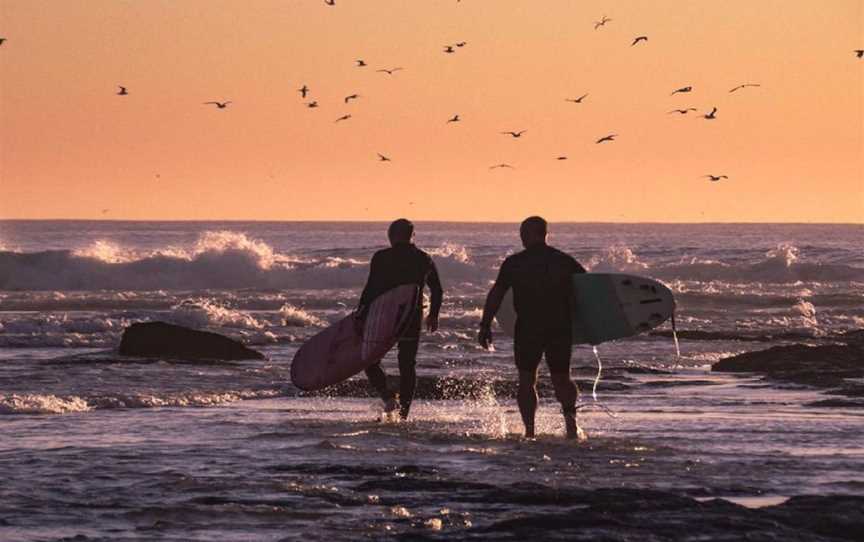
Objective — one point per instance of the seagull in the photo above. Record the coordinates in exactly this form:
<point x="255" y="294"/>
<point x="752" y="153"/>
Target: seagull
<point x="610" y="137"/>
<point x="577" y="100"/>
<point x="461" y="43"/>
<point x="304" y="90"/>
<point x="220" y="105"/>
<point x="312" y="104"/>
<point x="390" y="71"/>
<point x="561" y="158"/>
<point x="454" y="119"/>
<point x="638" y="39"/>
<point x="449" y="49"/>
<point x="2" y="40"/>
<point x="712" y="115"/>
<point x="360" y="62"/>
<point x="496" y="166"/>
<point x="343" y="117"/>
<point x="330" y="2"/>
<point x="601" y="22"/>
<point x="715" y="178"/>
<point x="105" y="211"/>
<point x="383" y="158"/>
<point x="122" y="91"/>
<point x="515" y="134"/>
<point x="858" y="52"/>
<point x="682" y="89"/>
<point x="351" y="97"/>
<point x="744" y="86"/>
<point x="682" y="111"/>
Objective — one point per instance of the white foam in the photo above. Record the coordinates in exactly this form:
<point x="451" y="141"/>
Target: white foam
<point x="41" y="404"/>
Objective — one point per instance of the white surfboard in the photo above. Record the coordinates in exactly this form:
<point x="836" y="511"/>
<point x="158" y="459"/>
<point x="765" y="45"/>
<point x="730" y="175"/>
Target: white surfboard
<point x="607" y="306"/>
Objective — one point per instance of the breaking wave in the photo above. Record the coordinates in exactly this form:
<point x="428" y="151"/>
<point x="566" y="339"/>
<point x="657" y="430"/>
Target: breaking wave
<point x="231" y="260"/>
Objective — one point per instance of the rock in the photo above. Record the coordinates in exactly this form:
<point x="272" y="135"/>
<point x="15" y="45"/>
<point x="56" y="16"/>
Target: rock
<point x="160" y="339"/>
<point x="824" y="366"/>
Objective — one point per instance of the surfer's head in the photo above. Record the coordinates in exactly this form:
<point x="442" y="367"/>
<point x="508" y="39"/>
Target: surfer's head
<point x="533" y="231"/>
<point x="400" y="232"/>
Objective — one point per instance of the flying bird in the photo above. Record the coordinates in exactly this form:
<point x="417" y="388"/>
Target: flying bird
<point x="449" y="49"/>
<point x="351" y="97"/>
<point x="496" y="166"/>
<point x="454" y="119"/>
<point x="682" y="111"/>
<point x="220" y="105"/>
<point x="561" y="158"/>
<point x="343" y="117"/>
<point x="3" y="40"/>
<point x="312" y="104"/>
<point x="461" y="43"/>
<point x="390" y="71"/>
<point x="858" y="52"/>
<point x="105" y="211"/>
<point x="601" y="22"/>
<point x="304" y="90"/>
<point x="715" y="178"/>
<point x="576" y="100"/>
<point x="360" y="62"/>
<point x="382" y="158"/>
<point x="515" y="134"/>
<point x="330" y="2"/>
<point x="610" y="137"/>
<point x="638" y="39"/>
<point x="745" y="85"/>
<point x="712" y="115"/>
<point x="682" y="89"/>
<point x="122" y="91"/>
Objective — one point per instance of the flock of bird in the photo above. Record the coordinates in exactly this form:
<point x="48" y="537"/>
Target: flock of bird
<point x="452" y="48"/>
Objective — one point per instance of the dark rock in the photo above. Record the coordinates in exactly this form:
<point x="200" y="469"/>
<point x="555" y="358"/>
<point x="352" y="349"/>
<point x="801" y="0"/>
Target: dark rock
<point x="825" y="366"/>
<point x="160" y="339"/>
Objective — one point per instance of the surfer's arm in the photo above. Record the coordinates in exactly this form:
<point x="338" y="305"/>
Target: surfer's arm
<point x="435" y="290"/>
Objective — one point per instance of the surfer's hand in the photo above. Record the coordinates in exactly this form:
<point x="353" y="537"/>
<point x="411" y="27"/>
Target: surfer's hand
<point x="485" y="336"/>
<point x="432" y="323"/>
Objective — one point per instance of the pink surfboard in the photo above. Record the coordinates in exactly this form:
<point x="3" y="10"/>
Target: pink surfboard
<point x="339" y="352"/>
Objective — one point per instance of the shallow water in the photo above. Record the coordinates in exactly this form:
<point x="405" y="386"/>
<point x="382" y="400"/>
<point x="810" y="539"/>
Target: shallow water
<point x="113" y="448"/>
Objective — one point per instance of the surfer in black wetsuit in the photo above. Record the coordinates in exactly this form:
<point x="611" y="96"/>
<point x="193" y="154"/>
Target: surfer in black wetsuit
<point x="542" y="291"/>
<point x="402" y="263"/>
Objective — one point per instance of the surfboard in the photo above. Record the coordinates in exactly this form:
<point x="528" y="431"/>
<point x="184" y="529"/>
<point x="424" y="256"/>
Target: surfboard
<point x="607" y="306"/>
<point x="339" y="352"/>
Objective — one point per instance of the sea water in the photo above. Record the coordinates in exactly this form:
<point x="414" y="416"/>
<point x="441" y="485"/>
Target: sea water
<point x="106" y="448"/>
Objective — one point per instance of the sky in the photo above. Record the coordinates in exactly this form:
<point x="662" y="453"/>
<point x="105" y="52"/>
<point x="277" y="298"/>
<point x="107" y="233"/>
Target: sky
<point x="792" y="148"/>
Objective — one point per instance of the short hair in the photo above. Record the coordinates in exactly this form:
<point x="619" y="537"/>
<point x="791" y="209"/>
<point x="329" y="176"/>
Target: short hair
<point x="533" y="226"/>
<point x="400" y="230"/>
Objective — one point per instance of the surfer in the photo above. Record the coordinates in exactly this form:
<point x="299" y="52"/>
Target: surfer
<point x="540" y="277"/>
<point x="402" y="263"/>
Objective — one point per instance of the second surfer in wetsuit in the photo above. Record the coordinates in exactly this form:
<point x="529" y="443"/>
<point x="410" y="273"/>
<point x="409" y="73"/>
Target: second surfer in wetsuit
<point x="542" y="292"/>
<point x="402" y="263"/>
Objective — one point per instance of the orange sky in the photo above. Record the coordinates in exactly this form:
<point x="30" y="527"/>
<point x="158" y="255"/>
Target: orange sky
<point x="793" y="148"/>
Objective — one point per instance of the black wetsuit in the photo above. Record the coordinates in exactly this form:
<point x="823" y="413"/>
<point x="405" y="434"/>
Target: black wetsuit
<point x="542" y="293"/>
<point x="392" y="267"/>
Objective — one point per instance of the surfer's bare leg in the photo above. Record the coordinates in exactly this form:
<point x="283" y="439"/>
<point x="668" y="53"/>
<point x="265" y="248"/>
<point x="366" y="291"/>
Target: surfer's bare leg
<point x="567" y="394"/>
<point x="527" y="399"/>
<point x="407" y="374"/>
<point x="558" y="354"/>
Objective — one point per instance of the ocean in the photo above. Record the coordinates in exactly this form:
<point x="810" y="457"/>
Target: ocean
<point x="100" y="447"/>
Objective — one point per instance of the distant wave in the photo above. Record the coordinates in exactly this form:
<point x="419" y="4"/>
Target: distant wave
<point x="230" y="260"/>
<point x="27" y="403"/>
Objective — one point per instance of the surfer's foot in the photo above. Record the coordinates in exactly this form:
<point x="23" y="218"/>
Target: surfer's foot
<point x="391" y="405"/>
<point x="573" y="431"/>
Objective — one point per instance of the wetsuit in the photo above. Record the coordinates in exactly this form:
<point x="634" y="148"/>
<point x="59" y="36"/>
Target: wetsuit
<point x="542" y="294"/>
<point x="402" y="264"/>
